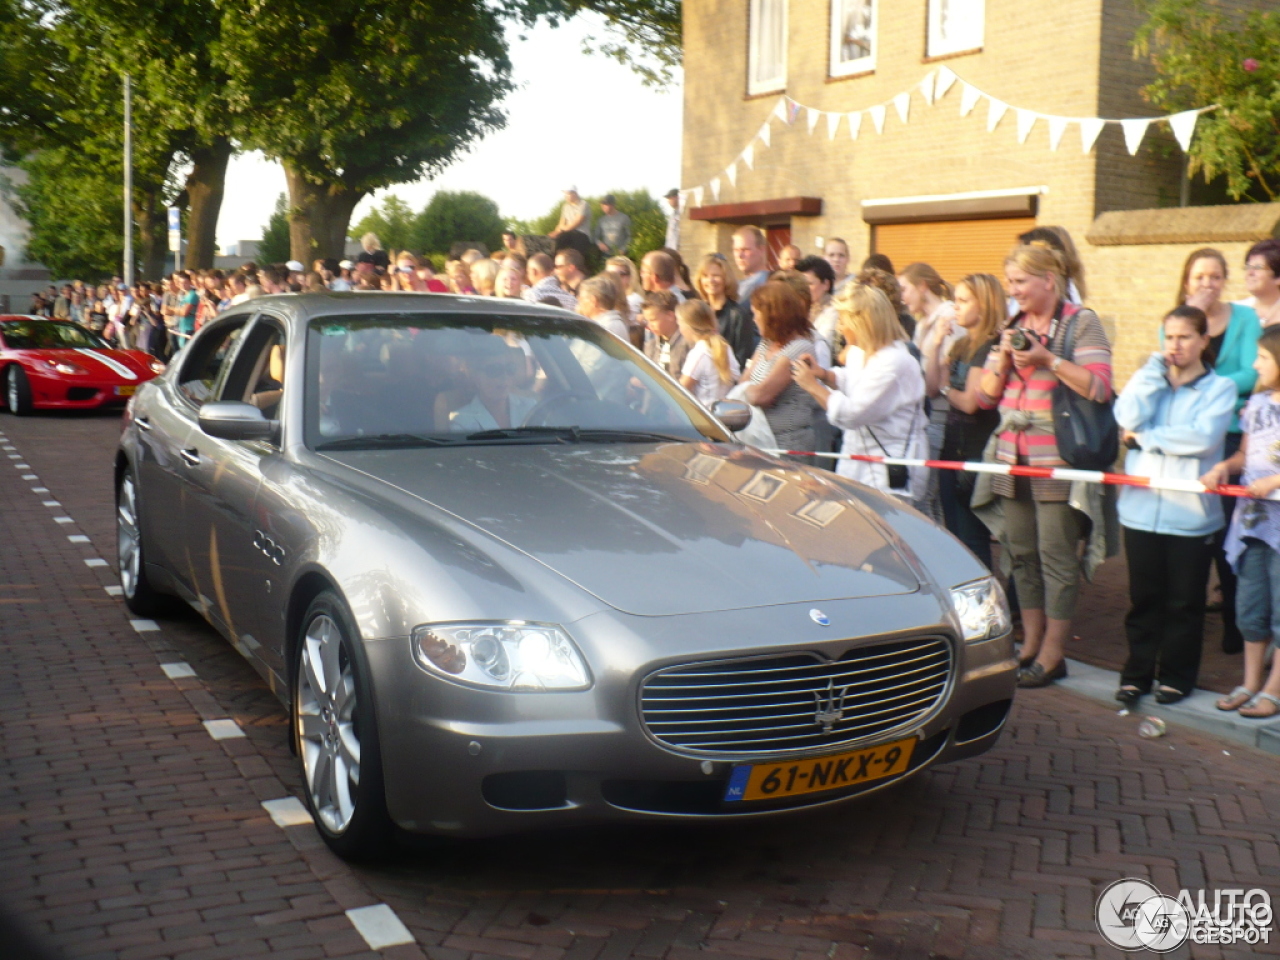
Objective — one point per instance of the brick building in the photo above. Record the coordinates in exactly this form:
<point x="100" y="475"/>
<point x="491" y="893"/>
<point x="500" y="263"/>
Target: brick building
<point x="940" y="187"/>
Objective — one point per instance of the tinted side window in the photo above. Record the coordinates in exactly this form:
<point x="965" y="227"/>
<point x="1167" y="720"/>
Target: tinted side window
<point x="205" y="363"/>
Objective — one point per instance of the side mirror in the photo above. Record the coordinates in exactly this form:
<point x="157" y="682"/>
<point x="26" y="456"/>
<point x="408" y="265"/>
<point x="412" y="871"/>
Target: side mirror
<point x="734" y="414"/>
<point x="234" y="420"/>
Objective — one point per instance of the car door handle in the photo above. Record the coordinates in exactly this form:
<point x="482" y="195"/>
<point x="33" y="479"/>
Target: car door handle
<point x="144" y="423"/>
<point x="191" y="455"/>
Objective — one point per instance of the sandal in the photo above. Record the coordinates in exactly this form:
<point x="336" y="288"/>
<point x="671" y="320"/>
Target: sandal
<point x="1236" y="699"/>
<point x="1255" y="707"/>
<point x="1129" y="694"/>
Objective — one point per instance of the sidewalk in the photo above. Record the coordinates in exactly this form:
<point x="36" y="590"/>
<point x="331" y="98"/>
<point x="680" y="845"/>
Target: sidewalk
<point x="1097" y="652"/>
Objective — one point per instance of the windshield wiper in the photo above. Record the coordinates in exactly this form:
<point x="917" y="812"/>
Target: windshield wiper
<point x="385" y="441"/>
<point x="611" y="435"/>
<point x="523" y="435"/>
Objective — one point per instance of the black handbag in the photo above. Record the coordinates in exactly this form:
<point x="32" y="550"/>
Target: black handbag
<point x="1087" y="434"/>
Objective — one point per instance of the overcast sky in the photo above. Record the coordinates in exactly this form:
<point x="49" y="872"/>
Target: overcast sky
<point x="577" y="119"/>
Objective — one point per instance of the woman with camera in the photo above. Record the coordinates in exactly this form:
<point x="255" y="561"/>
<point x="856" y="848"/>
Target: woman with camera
<point x="1042" y="530"/>
<point x="877" y="397"/>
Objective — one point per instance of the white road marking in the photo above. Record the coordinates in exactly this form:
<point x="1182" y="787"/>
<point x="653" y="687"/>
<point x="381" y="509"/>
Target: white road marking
<point x="50" y="503"/>
<point x="78" y="538"/>
<point x="114" y="590"/>
<point x="94" y="562"/>
<point x="39" y="489"/>
<point x="223" y="729"/>
<point x="15" y="456"/>
<point x="144" y="626"/>
<point x="176" y="671"/>
<point x="379" y="926"/>
<point x="63" y="520"/>
<point x="22" y="466"/>
<point x="29" y="476"/>
<point x="288" y="812"/>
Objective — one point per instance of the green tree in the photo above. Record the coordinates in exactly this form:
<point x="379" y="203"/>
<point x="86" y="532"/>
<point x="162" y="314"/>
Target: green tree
<point x="393" y="222"/>
<point x="274" y="247"/>
<point x="1207" y="55"/>
<point x="453" y="216"/>
<point x="75" y="221"/>
<point x="642" y="34"/>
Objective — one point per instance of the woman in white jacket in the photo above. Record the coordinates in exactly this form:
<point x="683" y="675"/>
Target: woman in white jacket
<point x="877" y="397"/>
<point x="1174" y="413"/>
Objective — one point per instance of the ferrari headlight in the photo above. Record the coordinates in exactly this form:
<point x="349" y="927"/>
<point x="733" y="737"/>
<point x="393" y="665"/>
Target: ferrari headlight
<point x="157" y="366"/>
<point x="508" y="655"/>
<point x="981" y="609"/>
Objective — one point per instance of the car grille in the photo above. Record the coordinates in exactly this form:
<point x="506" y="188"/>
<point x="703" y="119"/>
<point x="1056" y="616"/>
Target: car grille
<point x="795" y="702"/>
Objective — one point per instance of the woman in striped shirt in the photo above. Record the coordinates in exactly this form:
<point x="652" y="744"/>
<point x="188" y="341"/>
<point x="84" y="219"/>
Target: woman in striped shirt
<point x="1043" y="530"/>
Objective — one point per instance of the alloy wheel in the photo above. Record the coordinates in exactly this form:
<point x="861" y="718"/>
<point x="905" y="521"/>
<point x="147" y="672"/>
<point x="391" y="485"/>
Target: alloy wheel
<point x="128" y="540"/>
<point x="11" y="384"/>
<point x="327" y="731"/>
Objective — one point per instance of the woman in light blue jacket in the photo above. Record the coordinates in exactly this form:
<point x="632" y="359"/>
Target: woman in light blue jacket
<point x="1174" y="414"/>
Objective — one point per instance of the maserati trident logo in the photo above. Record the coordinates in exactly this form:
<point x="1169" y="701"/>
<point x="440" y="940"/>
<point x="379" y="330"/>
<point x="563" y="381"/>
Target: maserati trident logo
<point x="820" y="618"/>
<point x="829" y="706"/>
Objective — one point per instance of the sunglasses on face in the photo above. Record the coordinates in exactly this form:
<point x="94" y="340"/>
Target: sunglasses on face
<point x="498" y="370"/>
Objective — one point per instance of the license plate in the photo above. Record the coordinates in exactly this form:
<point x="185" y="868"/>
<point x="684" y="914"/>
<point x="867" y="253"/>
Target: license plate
<point x="126" y="391"/>
<point x="794" y="778"/>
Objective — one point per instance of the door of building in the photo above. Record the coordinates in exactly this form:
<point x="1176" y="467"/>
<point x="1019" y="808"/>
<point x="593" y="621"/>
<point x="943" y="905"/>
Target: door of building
<point x="777" y="237"/>
<point x="952" y="247"/>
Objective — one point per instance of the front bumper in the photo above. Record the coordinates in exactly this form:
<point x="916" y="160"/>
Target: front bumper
<point x="80" y="393"/>
<point x="470" y="762"/>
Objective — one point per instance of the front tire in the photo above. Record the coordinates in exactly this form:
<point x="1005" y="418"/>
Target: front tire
<point x="17" y="391"/>
<point x="139" y="596"/>
<point x="335" y="734"/>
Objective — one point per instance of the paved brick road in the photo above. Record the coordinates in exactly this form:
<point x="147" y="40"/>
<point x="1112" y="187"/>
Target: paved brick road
<point x="126" y="831"/>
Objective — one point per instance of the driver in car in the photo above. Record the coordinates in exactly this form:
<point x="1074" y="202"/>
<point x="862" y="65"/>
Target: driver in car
<point x="494" y="369"/>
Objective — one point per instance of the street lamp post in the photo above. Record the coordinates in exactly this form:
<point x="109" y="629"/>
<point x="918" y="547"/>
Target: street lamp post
<point x="127" y="273"/>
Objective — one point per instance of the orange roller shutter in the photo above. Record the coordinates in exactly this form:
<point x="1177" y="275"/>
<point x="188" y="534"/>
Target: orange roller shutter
<point x="952" y="247"/>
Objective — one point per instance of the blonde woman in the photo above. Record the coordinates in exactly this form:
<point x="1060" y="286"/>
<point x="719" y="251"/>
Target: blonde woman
<point x="484" y="277"/>
<point x="710" y="369"/>
<point x="981" y="314"/>
<point x="628" y="277"/>
<point x="715" y="283"/>
<point x="877" y="397"/>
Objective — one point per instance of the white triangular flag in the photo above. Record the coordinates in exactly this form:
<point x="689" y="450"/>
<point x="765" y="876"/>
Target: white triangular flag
<point x="731" y="172"/>
<point x="833" y="124"/>
<point x="1057" y="127"/>
<point x="697" y="196"/>
<point x="969" y="97"/>
<point x="946" y="77"/>
<point x="766" y="133"/>
<point x="1183" y="126"/>
<point x="780" y="109"/>
<point x="877" y="117"/>
<point x="1134" y="131"/>
<point x="715" y="188"/>
<point x="1090" y="127"/>
<point x="903" y="102"/>
<point x="1026" y="120"/>
<point x="926" y="87"/>
<point x="995" y="110"/>
<point x="855" y="124"/>
<point x="749" y="156"/>
<point x="813" y="119"/>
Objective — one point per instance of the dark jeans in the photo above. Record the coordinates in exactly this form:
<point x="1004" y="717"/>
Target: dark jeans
<point x="1165" y="623"/>
<point x="1232" y="640"/>
<point x="959" y="516"/>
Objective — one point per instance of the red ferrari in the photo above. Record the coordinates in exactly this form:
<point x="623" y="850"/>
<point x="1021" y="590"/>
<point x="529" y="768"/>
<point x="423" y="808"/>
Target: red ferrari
<point x="55" y="365"/>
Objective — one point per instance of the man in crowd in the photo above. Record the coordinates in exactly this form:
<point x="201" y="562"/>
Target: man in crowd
<point x="658" y="272"/>
<point x="185" y="315"/>
<point x="612" y="232"/>
<point x="273" y="279"/>
<point x="598" y="301"/>
<point x="62" y="303"/>
<point x="574" y="228"/>
<point x="666" y="347"/>
<point x="789" y="256"/>
<point x="752" y="257"/>
<point x="673" y="220"/>
<point x="544" y="287"/>
<point x="570" y="270"/>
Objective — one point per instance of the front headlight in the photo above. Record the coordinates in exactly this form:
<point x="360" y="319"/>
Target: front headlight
<point x="508" y="655"/>
<point x="157" y="367"/>
<point x="981" y="609"/>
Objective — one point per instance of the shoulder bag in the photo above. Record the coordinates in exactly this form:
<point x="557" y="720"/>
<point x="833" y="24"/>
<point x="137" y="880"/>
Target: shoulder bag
<point x="1086" y="431"/>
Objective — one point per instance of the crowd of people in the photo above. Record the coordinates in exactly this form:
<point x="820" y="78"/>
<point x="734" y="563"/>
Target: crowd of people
<point x="903" y="364"/>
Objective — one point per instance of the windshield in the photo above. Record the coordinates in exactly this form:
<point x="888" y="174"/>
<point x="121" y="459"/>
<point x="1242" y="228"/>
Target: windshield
<point x="377" y="381"/>
<point x="48" y="335"/>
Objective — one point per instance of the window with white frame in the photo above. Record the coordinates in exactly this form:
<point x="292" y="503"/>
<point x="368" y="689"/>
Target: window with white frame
<point x="767" y="54"/>
<point x="853" y="37"/>
<point x="954" y="26"/>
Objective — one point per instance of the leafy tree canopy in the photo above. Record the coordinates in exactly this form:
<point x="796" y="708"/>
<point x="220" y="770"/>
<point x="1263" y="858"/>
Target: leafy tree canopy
<point x="274" y="247"/>
<point x="75" y="219"/>
<point x="393" y="222"/>
<point x="452" y="216"/>
<point x="1206" y="55"/>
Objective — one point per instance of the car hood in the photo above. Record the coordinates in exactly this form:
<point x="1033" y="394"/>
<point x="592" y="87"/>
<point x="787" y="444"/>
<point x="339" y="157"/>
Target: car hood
<point x="661" y="529"/>
<point x="123" y="365"/>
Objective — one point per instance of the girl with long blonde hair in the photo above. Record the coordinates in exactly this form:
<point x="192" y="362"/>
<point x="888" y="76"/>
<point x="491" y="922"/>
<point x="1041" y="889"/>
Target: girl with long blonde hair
<point x="710" y="370"/>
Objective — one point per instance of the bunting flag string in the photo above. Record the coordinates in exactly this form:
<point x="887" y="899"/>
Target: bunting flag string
<point x="933" y="87"/>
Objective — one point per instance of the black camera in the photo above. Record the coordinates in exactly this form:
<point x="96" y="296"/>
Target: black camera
<point x="1019" y="339"/>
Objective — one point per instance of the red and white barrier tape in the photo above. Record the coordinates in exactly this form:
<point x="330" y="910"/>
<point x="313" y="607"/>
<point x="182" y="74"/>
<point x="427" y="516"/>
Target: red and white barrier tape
<point x="1045" y="473"/>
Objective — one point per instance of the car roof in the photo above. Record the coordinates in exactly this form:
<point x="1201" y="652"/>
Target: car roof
<point x="303" y="307"/>
<point x="7" y="317"/>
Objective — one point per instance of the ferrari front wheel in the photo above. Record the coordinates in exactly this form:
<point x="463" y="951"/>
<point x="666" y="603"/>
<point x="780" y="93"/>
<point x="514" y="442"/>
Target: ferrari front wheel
<point x="17" y="391"/>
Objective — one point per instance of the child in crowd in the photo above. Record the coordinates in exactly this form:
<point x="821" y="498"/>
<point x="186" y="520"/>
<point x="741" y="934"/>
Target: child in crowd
<point x="1253" y="541"/>
<point x="710" y="370"/>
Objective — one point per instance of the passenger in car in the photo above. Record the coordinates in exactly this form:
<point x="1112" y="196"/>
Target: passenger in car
<point x="270" y="386"/>
<point x="493" y="368"/>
